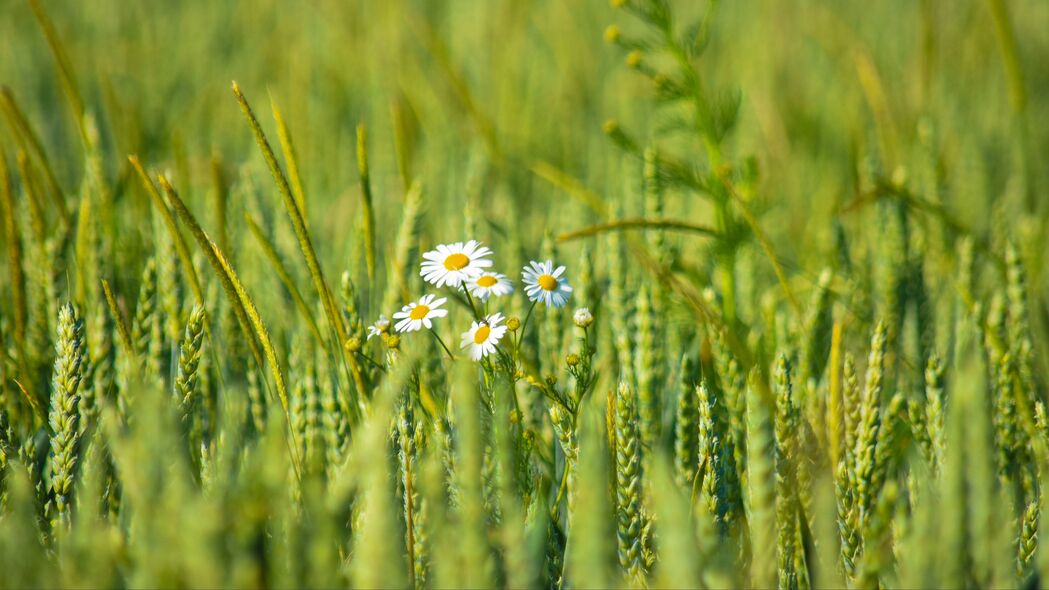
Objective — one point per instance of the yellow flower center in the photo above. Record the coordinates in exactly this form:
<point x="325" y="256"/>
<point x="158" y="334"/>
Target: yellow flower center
<point x="482" y="334"/>
<point x="486" y="281"/>
<point x="419" y="312"/>
<point x="456" y="261"/>
<point x="547" y="282"/>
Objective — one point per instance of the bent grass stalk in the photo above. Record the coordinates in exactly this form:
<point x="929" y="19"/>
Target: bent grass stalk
<point x="290" y="160"/>
<point x="282" y="273"/>
<point x="240" y="300"/>
<point x="306" y="245"/>
<point x="14" y="257"/>
<point x="367" y="213"/>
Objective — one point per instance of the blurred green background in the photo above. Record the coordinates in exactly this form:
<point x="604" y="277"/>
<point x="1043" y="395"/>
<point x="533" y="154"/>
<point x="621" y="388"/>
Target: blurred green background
<point x="918" y="91"/>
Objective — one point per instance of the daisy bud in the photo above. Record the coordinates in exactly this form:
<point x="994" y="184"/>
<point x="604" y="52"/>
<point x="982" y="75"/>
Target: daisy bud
<point x="633" y="59"/>
<point x="513" y="324"/>
<point x="353" y="344"/>
<point x="572" y="360"/>
<point x="518" y="375"/>
<point x="393" y="341"/>
<point x="612" y="34"/>
<point x="582" y="317"/>
<point x="618" y="3"/>
<point x="515" y="417"/>
<point x="551" y="380"/>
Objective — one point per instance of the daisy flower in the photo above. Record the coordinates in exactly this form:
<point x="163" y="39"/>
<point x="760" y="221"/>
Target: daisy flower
<point x="544" y="283"/>
<point x="380" y="327"/>
<point x="482" y="336"/>
<point x="486" y="284"/>
<point x="419" y="313"/>
<point x="452" y="264"/>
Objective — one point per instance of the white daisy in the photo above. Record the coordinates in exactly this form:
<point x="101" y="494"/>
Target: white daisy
<point x="544" y="283"/>
<point x="482" y="336"/>
<point x="451" y="264"/>
<point x="417" y="314"/>
<point x="380" y="327"/>
<point x="489" y="283"/>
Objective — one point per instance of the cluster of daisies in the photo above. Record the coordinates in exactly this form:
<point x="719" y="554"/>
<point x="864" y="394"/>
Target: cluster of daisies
<point x="465" y="268"/>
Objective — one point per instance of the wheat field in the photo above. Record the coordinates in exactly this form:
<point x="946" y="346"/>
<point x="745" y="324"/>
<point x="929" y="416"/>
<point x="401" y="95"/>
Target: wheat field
<point x="524" y="293"/>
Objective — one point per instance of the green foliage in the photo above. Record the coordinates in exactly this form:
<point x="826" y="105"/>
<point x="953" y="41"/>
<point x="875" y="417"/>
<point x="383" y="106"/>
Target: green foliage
<point x="815" y="343"/>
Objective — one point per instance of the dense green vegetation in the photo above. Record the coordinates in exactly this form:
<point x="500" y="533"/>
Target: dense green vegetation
<point x="800" y="339"/>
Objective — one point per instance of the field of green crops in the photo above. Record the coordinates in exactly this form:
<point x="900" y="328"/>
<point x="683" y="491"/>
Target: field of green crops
<point x="524" y="293"/>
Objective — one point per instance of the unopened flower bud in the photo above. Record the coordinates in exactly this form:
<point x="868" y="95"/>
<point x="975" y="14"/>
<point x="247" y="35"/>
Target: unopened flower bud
<point x="582" y="317"/>
<point x="556" y="413"/>
<point x="572" y="360"/>
<point x="515" y="416"/>
<point x="633" y="59"/>
<point x="393" y="341"/>
<point x="551" y="380"/>
<point x="353" y="344"/>
<point x="612" y="34"/>
<point x="513" y="324"/>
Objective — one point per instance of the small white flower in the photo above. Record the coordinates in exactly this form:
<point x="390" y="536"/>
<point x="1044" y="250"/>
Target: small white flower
<point x="482" y="336"/>
<point x="544" y="283"/>
<point x="451" y="264"/>
<point x="380" y="327"/>
<point x="582" y="317"/>
<point x="417" y="314"/>
<point x="489" y="283"/>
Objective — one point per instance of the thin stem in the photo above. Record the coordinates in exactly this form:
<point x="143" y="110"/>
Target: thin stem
<point x="470" y="300"/>
<point x="443" y="345"/>
<point x="372" y="361"/>
<point x="561" y="490"/>
<point x="524" y="324"/>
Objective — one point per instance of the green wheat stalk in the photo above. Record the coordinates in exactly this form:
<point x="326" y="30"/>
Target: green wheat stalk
<point x="188" y="361"/>
<point x="786" y="434"/>
<point x="686" y="445"/>
<point x="630" y="523"/>
<point x="70" y="354"/>
<point x="305" y="244"/>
